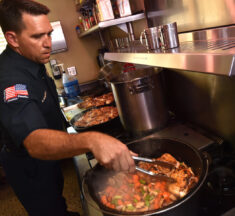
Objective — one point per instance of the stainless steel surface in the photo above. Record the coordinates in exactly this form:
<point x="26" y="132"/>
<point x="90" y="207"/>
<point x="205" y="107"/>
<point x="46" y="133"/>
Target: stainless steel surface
<point x="57" y="38"/>
<point x="203" y="99"/>
<point x="140" y="100"/>
<point x="158" y="162"/>
<point x="214" y="34"/>
<point x="152" y="39"/>
<point x="105" y="24"/>
<point x="190" y="14"/>
<point x="168" y="36"/>
<point x="158" y="177"/>
<point x="209" y="51"/>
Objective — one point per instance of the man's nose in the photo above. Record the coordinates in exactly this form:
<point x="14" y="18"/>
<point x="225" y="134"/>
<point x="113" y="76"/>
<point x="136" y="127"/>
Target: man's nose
<point x="47" y="41"/>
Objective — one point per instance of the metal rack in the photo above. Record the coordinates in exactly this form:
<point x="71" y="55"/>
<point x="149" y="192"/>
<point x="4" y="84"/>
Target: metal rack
<point x="114" y="22"/>
<point x="207" y="51"/>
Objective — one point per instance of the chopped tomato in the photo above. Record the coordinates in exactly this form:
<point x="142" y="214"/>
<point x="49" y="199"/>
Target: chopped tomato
<point x="135" y="178"/>
<point x="137" y="184"/>
<point x="124" y="187"/>
<point x="160" y="185"/>
<point x="166" y="196"/>
<point x="127" y="202"/>
<point x="127" y="197"/>
<point x="104" y="199"/>
<point x="120" y="202"/>
<point x="137" y="197"/>
<point x="157" y="202"/>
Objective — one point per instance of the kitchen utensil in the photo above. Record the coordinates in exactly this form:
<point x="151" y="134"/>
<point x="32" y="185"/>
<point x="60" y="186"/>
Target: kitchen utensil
<point x="158" y="162"/>
<point x="140" y="100"/>
<point x="95" y="178"/>
<point x="152" y="38"/>
<point x="159" y="177"/>
<point x="168" y="36"/>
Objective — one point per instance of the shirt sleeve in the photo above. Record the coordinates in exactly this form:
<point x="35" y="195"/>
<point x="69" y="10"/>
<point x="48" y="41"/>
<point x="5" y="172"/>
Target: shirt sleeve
<point x="19" y="112"/>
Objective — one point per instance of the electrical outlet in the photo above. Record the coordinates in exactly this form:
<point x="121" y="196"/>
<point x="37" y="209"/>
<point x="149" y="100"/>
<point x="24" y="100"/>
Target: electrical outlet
<point x="72" y="71"/>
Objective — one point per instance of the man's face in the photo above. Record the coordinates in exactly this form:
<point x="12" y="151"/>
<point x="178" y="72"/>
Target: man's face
<point x="34" y="41"/>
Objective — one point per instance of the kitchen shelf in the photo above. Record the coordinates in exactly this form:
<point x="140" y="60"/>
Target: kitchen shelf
<point x="114" y="22"/>
<point x="208" y="55"/>
<point x="83" y="4"/>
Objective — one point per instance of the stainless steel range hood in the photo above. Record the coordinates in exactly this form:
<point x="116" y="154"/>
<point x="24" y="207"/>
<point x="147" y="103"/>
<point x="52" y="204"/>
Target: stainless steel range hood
<point x="208" y="51"/>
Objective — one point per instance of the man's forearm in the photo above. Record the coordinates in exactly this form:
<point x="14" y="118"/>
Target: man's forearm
<point x="52" y="145"/>
<point x="48" y="144"/>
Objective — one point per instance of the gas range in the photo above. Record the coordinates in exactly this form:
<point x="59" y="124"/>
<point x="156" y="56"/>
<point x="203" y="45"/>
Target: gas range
<point x="217" y="196"/>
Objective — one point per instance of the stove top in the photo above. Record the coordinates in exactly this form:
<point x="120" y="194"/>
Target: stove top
<point x="217" y="196"/>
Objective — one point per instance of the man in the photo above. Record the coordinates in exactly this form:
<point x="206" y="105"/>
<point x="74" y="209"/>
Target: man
<point x="31" y="119"/>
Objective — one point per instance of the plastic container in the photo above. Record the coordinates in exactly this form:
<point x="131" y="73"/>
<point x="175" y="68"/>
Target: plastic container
<point x="71" y="85"/>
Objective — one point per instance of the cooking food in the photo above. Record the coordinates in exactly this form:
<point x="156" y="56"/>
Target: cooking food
<point x="97" y="116"/>
<point x="104" y="99"/>
<point x="140" y="192"/>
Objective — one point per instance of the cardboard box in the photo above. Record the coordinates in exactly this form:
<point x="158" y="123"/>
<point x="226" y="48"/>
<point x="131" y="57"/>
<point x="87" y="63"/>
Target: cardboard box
<point x="129" y="7"/>
<point x="105" y="10"/>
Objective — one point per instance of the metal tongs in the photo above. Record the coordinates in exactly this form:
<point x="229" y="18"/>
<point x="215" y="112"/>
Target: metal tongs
<point x="160" y="177"/>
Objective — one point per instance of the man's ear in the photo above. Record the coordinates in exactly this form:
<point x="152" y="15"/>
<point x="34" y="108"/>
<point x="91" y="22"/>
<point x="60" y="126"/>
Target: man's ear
<point x="12" y="39"/>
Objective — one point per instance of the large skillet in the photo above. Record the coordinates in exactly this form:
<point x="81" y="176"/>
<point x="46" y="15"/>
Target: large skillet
<point x="102" y="127"/>
<point x="96" y="177"/>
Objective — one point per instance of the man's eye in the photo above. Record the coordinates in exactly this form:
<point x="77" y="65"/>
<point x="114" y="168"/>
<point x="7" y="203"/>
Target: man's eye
<point x="37" y="36"/>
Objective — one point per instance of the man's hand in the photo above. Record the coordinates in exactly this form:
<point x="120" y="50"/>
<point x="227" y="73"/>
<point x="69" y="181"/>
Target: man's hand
<point x="111" y="153"/>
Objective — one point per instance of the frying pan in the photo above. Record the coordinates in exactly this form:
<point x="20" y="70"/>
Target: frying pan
<point x="95" y="178"/>
<point x="102" y="127"/>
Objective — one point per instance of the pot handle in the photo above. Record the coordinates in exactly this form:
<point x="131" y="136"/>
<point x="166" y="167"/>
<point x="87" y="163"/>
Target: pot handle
<point x="207" y="157"/>
<point x="139" y="87"/>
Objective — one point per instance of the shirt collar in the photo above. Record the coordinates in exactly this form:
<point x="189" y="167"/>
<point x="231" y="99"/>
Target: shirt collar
<point x="34" y="68"/>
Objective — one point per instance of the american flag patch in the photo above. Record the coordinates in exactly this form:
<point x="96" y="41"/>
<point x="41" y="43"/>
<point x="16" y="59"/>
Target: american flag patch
<point x="15" y="92"/>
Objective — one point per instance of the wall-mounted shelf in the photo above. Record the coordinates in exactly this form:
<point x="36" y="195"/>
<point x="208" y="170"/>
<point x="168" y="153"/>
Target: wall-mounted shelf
<point x="85" y="4"/>
<point x="213" y="55"/>
<point x="114" y="22"/>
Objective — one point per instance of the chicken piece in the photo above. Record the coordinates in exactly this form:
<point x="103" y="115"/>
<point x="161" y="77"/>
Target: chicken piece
<point x="170" y="159"/>
<point x="176" y="190"/>
<point x="185" y="179"/>
<point x="144" y="209"/>
<point x="139" y="205"/>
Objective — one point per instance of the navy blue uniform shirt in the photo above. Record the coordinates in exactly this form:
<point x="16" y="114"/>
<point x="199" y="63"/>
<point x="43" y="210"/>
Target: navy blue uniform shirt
<point x="28" y="99"/>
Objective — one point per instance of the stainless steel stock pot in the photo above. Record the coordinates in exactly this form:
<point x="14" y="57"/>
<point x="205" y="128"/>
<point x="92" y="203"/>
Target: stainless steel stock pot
<point x="140" y="100"/>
